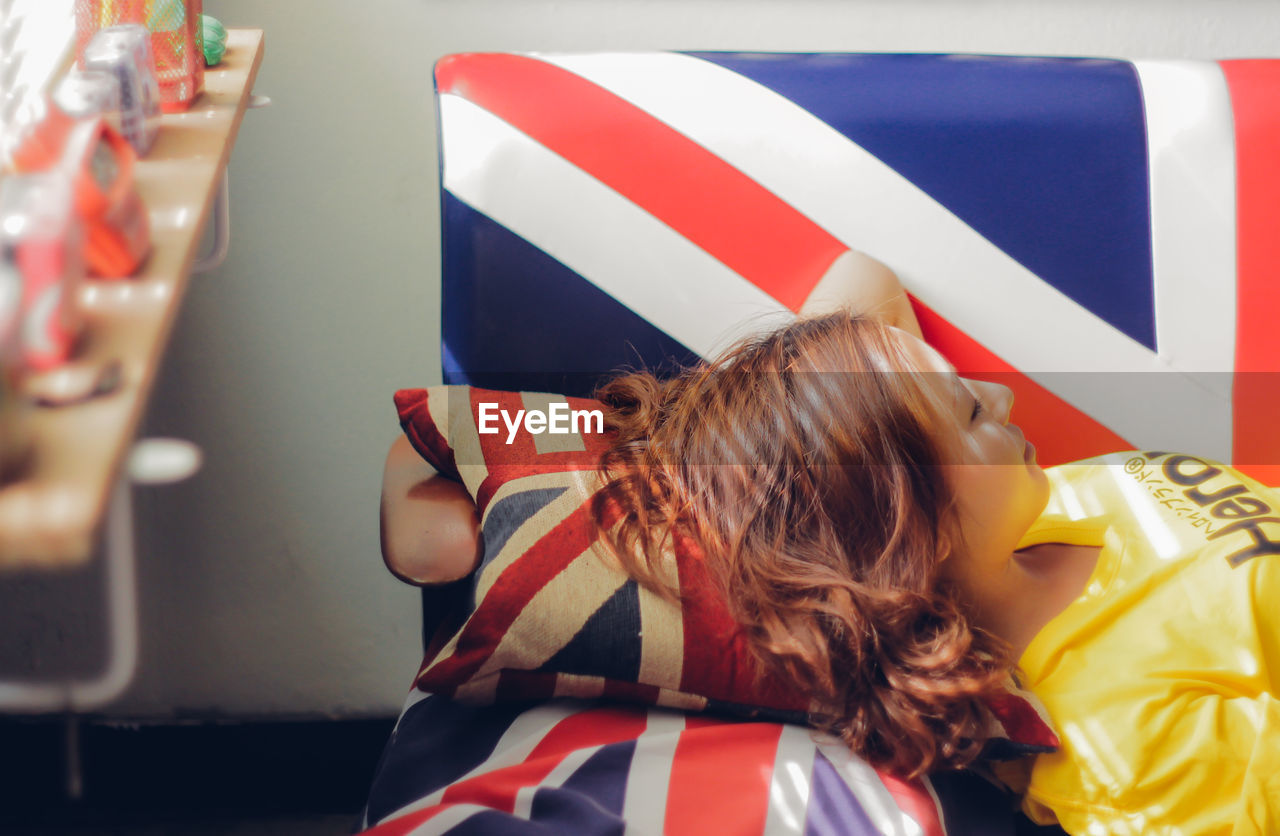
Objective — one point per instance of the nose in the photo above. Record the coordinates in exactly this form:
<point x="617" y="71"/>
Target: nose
<point x="997" y="397"/>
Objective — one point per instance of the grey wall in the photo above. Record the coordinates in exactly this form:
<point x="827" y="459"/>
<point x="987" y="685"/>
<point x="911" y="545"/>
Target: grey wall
<point x="262" y="590"/>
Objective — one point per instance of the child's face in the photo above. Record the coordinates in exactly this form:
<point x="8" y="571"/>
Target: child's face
<point x="991" y="467"/>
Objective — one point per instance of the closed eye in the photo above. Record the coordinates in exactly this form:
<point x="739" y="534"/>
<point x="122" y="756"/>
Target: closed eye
<point x="978" y="409"/>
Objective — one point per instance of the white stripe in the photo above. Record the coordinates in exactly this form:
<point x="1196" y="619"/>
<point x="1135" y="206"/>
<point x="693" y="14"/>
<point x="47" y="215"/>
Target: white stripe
<point x="869" y="206"/>
<point x="594" y="231"/>
<point x="662" y="651"/>
<point x="644" y="808"/>
<point x="789" y="788"/>
<point x="1191" y="153"/>
<point x="937" y="802"/>
<point x="515" y="746"/>
<point x="876" y="800"/>
<point x="463" y="434"/>
<point x="578" y="686"/>
<point x="415" y="696"/>
<point x="555" y="439"/>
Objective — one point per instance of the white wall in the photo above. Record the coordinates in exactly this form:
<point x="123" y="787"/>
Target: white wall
<point x="262" y="589"/>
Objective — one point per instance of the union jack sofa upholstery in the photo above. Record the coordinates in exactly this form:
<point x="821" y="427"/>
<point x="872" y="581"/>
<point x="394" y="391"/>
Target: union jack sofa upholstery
<point x="1100" y="235"/>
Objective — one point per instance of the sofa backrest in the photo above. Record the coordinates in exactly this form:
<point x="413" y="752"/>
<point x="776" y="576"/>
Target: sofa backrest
<point x="1094" y="233"/>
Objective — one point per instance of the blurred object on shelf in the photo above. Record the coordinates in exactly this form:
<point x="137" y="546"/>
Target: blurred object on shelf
<point x="215" y="39"/>
<point x="62" y="498"/>
<point x="98" y="164"/>
<point x="178" y="44"/>
<point x="42" y="244"/>
<point x="83" y="94"/>
<point x="14" y="440"/>
<point x="117" y="232"/>
<point x="176" y="37"/>
<point x="73" y="382"/>
<point x="38" y="142"/>
<point x="11" y="93"/>
<point x="36" y="38"/>
<point x="124" y="52"/>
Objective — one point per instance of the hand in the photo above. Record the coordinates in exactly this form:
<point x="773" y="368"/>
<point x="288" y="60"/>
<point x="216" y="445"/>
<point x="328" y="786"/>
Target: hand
<point x="859" y="283"/>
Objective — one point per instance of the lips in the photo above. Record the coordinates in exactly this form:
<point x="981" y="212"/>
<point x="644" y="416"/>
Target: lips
<point x="1028" y="449"/>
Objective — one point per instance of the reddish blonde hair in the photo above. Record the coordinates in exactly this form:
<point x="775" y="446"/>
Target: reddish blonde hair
<point x="804" y="463"/>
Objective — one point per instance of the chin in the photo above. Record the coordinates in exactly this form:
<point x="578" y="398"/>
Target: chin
<point x="1040" y="482"/>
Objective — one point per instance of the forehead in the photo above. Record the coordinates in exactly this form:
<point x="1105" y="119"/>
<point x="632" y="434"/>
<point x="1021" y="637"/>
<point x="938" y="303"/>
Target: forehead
<point x="946" y="393"/>
<point x="925" y="356"/>
<point x="944" y="388"/>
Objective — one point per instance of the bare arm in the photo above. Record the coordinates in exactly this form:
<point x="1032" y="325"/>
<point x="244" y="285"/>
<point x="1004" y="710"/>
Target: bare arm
<point x="430" y="528"/>
<point x="856" y="281"/>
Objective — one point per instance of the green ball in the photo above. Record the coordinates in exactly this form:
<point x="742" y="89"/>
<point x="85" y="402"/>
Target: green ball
<point x="215" y="39"/>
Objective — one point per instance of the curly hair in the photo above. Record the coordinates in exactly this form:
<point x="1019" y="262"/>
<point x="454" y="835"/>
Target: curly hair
<point x="804" y="465"/>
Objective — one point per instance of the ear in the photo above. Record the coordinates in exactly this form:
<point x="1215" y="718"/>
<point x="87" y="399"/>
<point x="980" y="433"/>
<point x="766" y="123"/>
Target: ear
<point x="949" y="540"/>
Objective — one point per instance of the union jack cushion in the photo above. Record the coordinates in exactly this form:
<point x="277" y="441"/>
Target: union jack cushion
<point x="551" y="614"/>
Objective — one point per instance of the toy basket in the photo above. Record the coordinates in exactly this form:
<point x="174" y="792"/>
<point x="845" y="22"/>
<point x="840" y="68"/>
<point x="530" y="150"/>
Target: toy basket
<point x="177" y="41"/>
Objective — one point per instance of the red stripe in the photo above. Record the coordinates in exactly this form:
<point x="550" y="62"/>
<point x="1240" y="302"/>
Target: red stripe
<point x="720" y="778"/>
<point x="595" y="727"/>
<point x="914" y="799"/>
<point x="717" y="661"/>
<point x="717" y="207"/>
<point x="1022" y="723"/>
<point x="508" y="597"/>
<point x="630" y="691"/>
<point x="1255" y="90"/>
<point x="1060" y="432"/>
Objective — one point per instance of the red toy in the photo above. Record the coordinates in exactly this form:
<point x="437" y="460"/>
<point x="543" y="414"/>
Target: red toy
<point x="99" y="165"/>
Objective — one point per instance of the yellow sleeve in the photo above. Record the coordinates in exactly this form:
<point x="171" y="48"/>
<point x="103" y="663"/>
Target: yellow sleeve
<point x="1216" y="773"/>
<point x="1260" y="810"/>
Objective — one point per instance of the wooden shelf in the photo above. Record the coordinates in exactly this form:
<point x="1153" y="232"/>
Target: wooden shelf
<point x="50" y="515"/>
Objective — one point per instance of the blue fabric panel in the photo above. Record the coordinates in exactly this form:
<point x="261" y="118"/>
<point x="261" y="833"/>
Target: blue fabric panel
<point x="608" y="644"/>
<point x="591" y="800"/>
<point x="1044" y="157"/>
<point x="833" y="808"/>
<point x="517" y="319"/>
<point x="511" y="512"/>
<point x="973" y="806"/>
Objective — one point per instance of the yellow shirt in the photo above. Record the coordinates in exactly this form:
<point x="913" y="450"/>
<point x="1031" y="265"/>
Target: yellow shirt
<point x="1161" y="679"/>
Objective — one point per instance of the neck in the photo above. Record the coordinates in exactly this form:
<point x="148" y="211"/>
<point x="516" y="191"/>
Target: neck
<point x="1039" y="583"/>
<point x="998" y="604"/>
